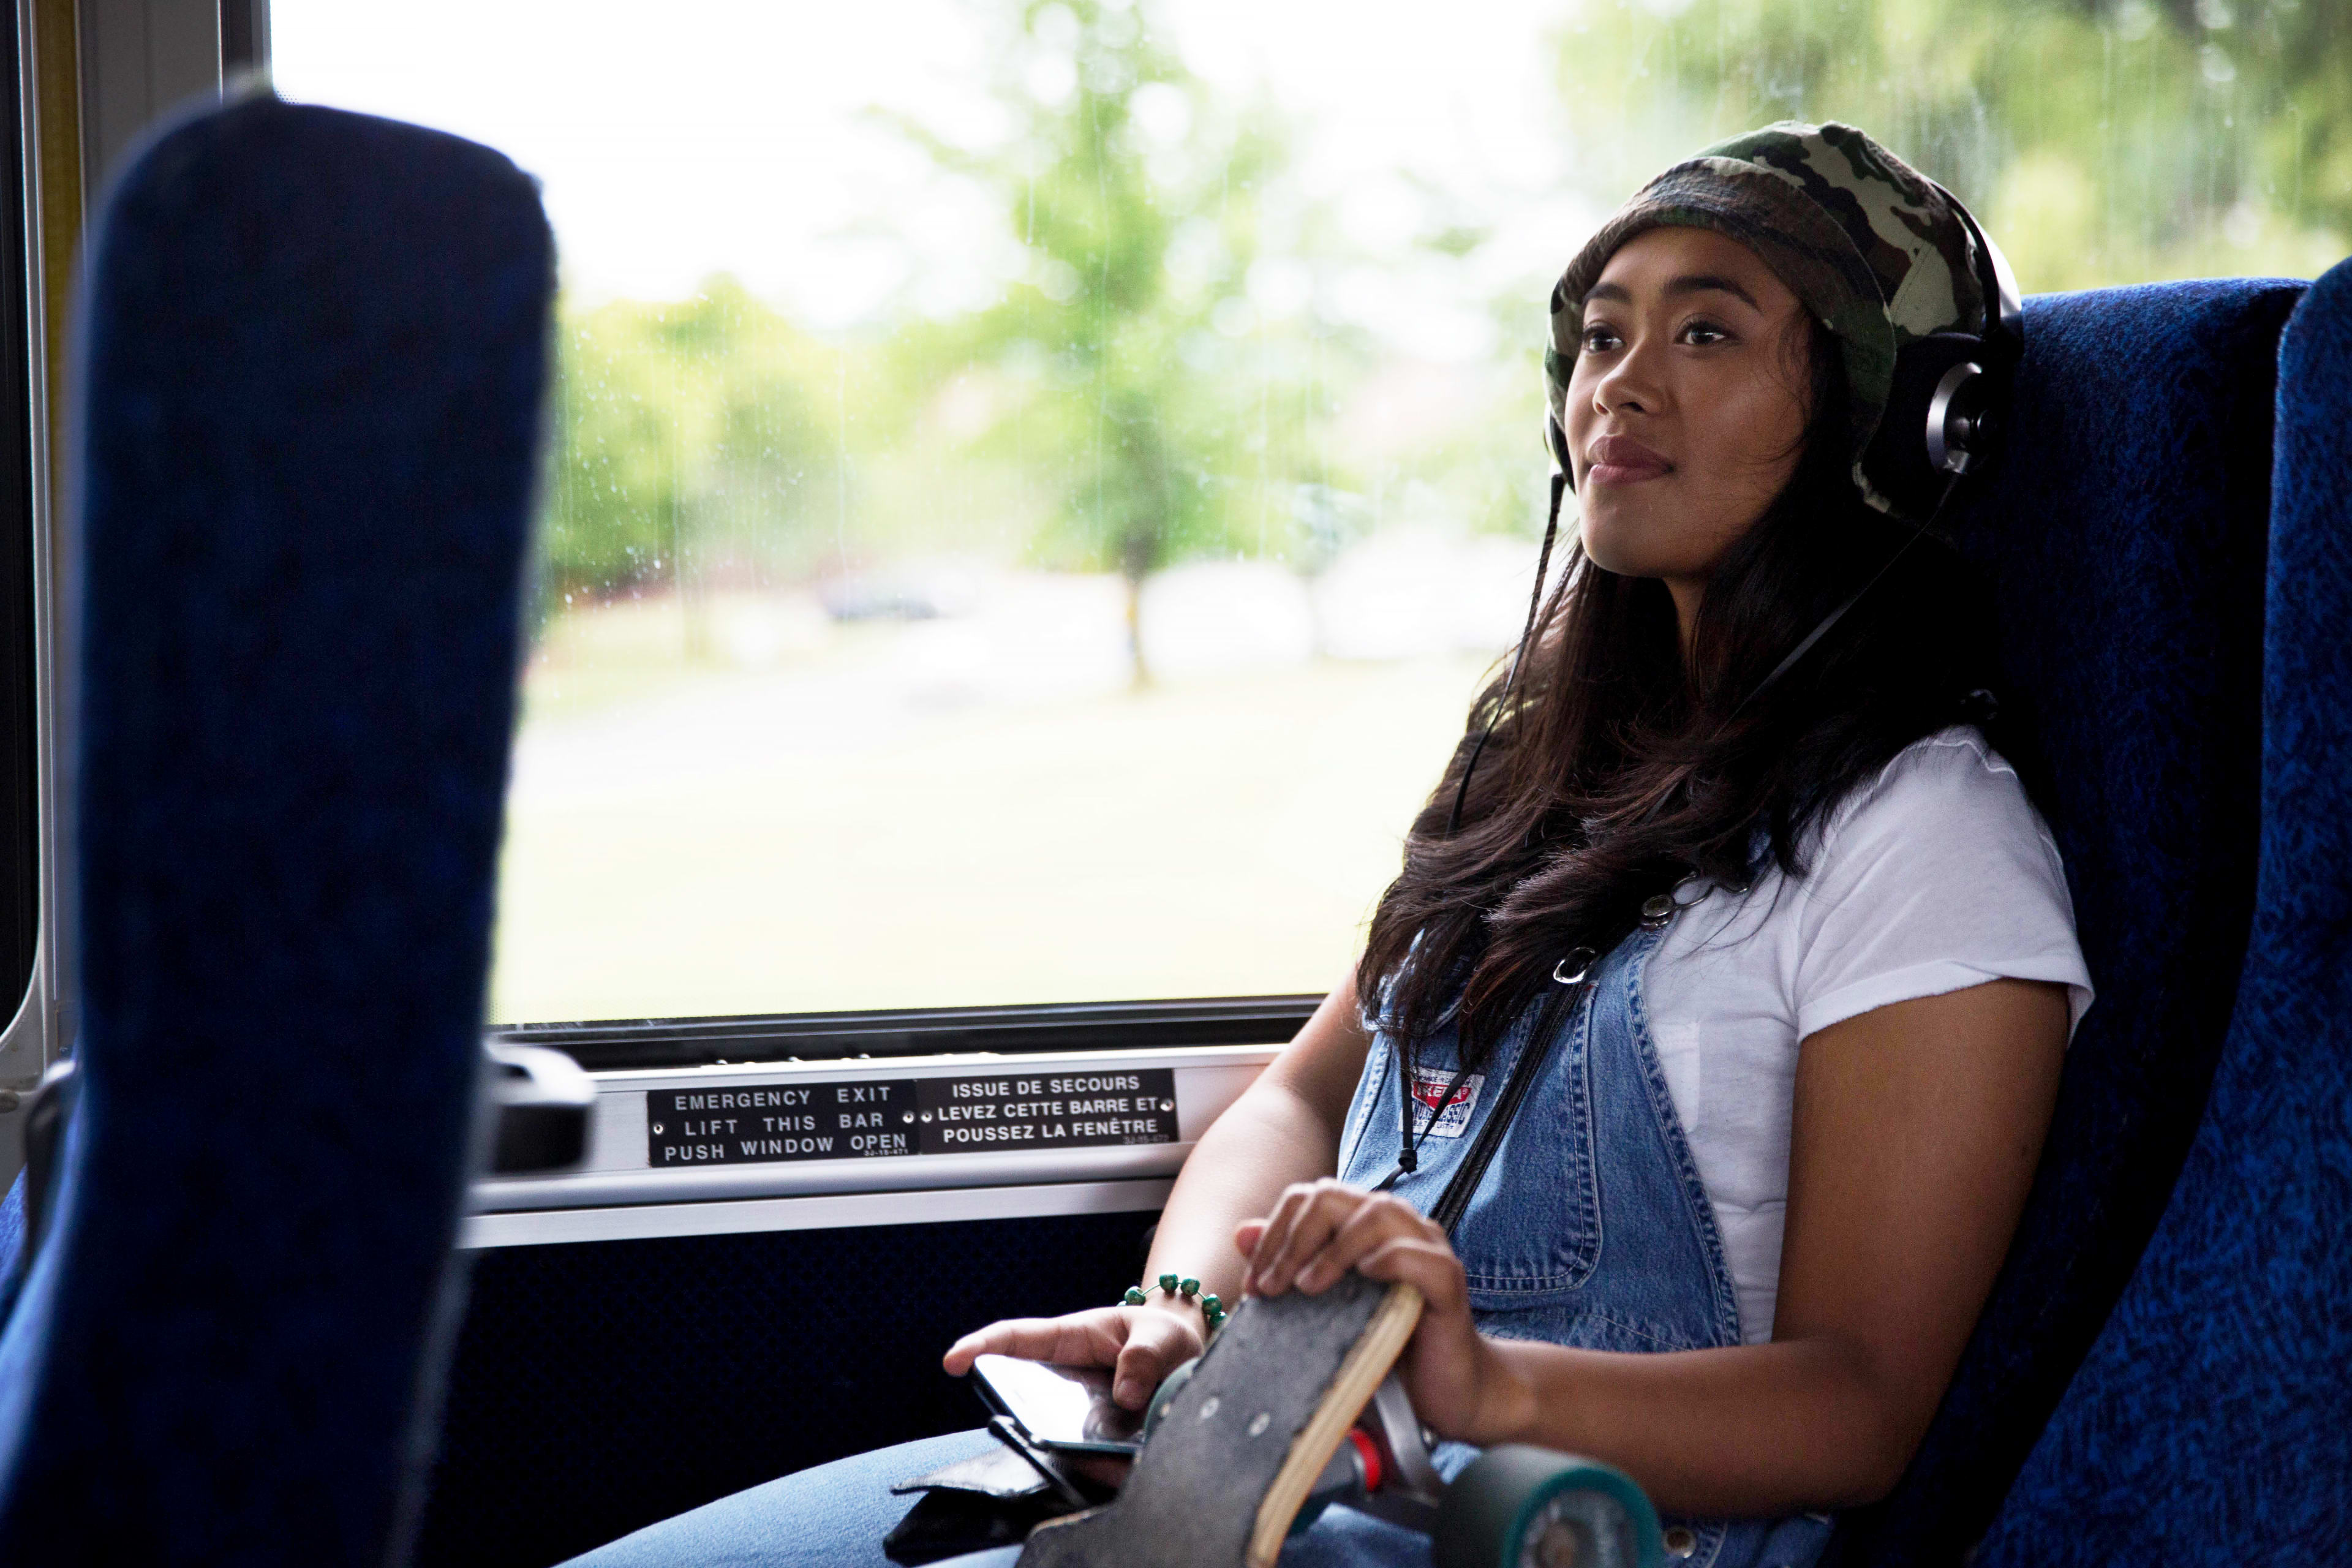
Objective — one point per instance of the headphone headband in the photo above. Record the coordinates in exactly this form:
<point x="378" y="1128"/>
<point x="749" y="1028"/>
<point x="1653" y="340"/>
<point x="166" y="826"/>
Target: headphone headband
<point x="2004" y="310"/>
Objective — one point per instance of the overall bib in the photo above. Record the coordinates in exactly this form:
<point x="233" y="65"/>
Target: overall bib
<point x="1591" y="1227"/>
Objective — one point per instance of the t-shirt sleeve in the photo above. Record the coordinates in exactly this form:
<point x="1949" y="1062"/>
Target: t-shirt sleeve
<point x="1940" y="877"/>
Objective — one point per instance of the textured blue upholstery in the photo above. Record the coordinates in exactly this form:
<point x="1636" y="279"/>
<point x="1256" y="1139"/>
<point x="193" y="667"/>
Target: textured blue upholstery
<point x="2210" y="1423"/>
<point x="313" y="355"/>
<point x="2124" y="541"/>
<point x="12" y="1227"/>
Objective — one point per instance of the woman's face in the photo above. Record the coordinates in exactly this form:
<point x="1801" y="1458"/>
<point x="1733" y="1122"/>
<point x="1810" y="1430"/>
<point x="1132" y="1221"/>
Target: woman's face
<point x="1687" y="407"/>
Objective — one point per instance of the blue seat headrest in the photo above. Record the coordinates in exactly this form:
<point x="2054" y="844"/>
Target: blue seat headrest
<point x="313" y="358"/>
<point x="2123" y="539"/>
<point x="2207" y="1425"/>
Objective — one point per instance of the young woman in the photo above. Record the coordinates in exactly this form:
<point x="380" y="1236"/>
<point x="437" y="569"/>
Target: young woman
<point x="1738" y="1232"/>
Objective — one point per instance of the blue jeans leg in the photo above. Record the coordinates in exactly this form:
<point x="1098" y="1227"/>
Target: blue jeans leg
<point x="833" y="1516"/>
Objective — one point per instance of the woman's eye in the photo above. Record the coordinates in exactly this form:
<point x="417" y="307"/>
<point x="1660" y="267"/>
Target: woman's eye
<point x="1704" y="333"/>
<point x="1599" y="340"/>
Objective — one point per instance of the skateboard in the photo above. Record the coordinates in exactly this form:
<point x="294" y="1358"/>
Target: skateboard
<point x="1293" y="1409"/>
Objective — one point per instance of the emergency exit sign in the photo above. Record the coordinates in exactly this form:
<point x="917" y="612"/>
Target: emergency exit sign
<point x="853" y="1119"/>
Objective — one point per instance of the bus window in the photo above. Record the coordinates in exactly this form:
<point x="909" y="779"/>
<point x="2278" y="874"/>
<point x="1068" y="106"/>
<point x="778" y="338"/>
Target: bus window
<point x="1034" y="484"/>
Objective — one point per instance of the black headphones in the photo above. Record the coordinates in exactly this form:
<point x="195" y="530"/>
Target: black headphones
<point x="1951" y="391"/>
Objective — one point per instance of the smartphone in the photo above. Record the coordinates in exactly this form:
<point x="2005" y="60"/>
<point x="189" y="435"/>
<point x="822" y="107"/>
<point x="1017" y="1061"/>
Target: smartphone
<point x="1065" y="1408"/>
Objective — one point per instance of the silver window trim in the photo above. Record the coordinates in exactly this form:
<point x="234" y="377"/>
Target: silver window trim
<point x="616" y="1175"/>
<point x="825" y="1212"/>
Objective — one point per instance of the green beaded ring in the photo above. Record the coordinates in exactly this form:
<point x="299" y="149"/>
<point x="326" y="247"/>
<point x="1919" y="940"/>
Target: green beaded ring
<point x="1134" y="1297"/>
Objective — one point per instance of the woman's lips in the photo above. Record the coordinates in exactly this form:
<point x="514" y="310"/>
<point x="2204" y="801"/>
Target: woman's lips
<point x="1622" y="460"/>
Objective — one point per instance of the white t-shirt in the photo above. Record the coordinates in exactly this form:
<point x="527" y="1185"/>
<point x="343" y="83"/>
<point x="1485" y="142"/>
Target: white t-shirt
<point x="1937" y="877"/>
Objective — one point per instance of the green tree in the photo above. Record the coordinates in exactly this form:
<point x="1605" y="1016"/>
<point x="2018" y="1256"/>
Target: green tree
<point x="2101" y="141"/>
<point x="1176" y="416"/>
<point x="692" y="443"/>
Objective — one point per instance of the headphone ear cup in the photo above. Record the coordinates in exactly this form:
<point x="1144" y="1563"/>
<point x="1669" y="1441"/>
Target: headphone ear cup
<point x="1939" y="420"/>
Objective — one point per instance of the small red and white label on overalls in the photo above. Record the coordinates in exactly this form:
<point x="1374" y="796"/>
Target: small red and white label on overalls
<point x="1453" y="1117"/>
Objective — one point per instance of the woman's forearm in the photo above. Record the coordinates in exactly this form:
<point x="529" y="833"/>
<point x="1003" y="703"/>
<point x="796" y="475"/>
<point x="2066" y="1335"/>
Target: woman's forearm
<point x="1744" y="1430"/>
<point x="1266" y="1139"/>
<point x="1270" y="1137"/>
<point x="1284" y="1128"/>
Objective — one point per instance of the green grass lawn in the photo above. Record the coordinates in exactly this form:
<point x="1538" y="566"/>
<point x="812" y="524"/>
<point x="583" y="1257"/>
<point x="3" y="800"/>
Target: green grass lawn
<point x="1217" y="838"/>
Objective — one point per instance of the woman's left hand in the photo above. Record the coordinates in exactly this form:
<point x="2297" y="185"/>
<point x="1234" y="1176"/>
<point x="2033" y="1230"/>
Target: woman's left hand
<point x="1318" y="1230"/>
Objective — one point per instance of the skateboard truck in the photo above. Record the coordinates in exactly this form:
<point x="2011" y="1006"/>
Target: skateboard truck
<point x="1526" y="1506"/>
<point x="1382" y="1467"/>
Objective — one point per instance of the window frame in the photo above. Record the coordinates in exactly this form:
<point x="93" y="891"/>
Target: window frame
<point x="42" y="231"/>
<point x="1016" y="1029"/>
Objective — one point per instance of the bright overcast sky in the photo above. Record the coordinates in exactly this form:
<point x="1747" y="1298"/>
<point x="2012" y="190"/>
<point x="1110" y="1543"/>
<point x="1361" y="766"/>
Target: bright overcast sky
<point x="706" y="135"/>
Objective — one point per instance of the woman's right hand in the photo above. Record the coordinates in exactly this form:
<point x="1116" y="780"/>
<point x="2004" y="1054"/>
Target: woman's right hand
<point x="1141" y="1345"/>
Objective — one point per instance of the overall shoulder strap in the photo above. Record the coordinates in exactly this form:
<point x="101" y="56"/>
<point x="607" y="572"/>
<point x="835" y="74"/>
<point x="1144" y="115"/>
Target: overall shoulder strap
<point x="1555" y="1009"/>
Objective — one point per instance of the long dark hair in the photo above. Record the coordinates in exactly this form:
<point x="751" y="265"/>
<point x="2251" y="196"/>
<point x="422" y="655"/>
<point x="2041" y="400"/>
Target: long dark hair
<point x="1615" y="768"/>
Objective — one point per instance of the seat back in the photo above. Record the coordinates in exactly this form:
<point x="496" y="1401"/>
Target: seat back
<point x="310" y="370"/>
<point x="2123" y="538"/>
<point x="2207" y="1425"/>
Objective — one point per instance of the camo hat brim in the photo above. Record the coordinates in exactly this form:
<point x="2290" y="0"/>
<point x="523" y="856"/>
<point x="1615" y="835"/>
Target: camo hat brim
<point x="1872" y="249"/>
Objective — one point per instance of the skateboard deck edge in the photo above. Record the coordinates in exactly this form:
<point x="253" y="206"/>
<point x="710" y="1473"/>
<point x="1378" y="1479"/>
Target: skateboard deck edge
<point x="1357" y="1379"/>
<point x="1198" y="1496"/>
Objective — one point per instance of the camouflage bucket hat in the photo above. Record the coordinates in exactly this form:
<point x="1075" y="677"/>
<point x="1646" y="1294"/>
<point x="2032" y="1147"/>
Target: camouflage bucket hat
<point x="1875" y="251"/>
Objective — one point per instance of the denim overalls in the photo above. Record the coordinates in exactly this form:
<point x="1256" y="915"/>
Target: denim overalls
<point x="1591" y="1227"/>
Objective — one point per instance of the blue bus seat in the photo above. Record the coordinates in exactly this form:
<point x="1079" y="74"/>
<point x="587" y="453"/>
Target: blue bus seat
<point x="2207" y="1425"/>
<point x="309" y="378"/>
<point x="2123" y="539"/>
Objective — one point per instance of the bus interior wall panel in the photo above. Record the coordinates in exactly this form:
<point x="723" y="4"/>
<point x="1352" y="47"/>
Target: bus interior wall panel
<point x="601" y="1386"/>
<point x="142" y="60"/>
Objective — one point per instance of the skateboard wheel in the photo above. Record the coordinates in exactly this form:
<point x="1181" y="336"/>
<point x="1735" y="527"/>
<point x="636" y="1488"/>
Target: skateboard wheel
<point x="1518" y="1507"/>
<point x="1170" y="1386"/>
